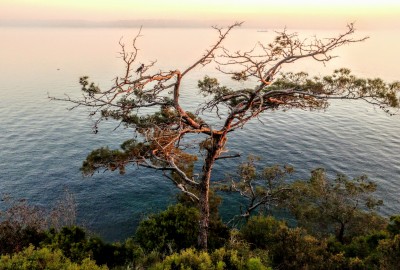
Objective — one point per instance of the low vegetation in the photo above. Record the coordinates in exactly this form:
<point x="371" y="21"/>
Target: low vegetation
<point x="336" y="227"/>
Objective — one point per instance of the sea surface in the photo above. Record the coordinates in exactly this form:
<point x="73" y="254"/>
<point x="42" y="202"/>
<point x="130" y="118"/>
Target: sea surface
<point x="42" y="144"/>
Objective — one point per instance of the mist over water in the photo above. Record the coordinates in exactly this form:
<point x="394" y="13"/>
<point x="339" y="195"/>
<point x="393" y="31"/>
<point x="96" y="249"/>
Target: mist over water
<point x="42" y="145"/>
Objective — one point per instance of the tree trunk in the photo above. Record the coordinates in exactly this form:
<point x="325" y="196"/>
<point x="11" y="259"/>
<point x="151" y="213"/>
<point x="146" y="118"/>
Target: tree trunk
<point x="212" y="154"/>
<point x="204" y="210"/>
<point x="340" y="236"/>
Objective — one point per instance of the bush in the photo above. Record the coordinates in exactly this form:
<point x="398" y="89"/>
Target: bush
<point x="186" y="259"/>
<point x="394" y="225"/>
<point x="220" y="259"/>
<point x="261" y="231"/>
<point x="294" y="249"/>
<point x="171" y="230"/>
<point x="390" y="253"/>
<point x="14" y="237"/>
<point x="71" y="241"/>
<point x="365" y="248"/>
<point x="44" y="258"/>
<point x="76" y="246"/>
<point x="287" y="248"/>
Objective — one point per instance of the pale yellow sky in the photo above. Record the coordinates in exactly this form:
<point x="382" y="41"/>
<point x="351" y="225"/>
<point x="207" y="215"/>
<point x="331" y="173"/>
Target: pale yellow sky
<point x="372" y="13"/>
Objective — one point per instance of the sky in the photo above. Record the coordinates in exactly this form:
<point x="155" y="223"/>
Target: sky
<point x="258" y="13"/>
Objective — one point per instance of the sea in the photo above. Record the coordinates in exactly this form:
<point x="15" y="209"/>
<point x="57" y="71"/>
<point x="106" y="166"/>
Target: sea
<point x="43" y="143"/>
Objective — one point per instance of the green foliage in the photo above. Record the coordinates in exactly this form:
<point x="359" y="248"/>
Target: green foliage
<point x="339" y="83"/>
<point x="218" y="230"/>
<point x="44" y="258"/>
<point x="255" y="264"/>
<point x="186" y="259"/>
<point x="211" y="86"/>
<point x="14" y="237"/>
<point x="390" y="253"/>
<point x="260" y="190"/>
<point x="344" y="206"/>
<point x="378" y="250"/>
<point x="71" y="241"/>
<point x="90" y="88"/>
<point x="288" y="248"/>
<point x="365" y="248"/>
<point x="260" y="231"/>
<point x="294" y="249"/>
<point x="262" y="242"/>
<point x="218" y="234"/>
<point x="221" y="94"/>
<point x="220" y="259"/>
<point x="239" y="76"/>
<point x="394" y="225"/>
<point x="173" y="229"/>
<point x="113" y="159"/>
<point x="76" y="246"/>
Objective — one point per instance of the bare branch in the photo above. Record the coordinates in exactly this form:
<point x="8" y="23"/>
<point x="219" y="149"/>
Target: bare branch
<point x="209" y="55"/>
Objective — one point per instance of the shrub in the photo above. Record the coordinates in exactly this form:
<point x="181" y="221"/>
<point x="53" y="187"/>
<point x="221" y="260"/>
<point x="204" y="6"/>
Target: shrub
<point x="22" y="224"/>
<point x="390" y="253"/>
<point x="76" y="246"/>
<point x="44" y="258"/>
<point x="220" y="259"/>
<point x="186" y="259"/>
<point x="173" y="229"/>
<point x="394" y="225"/>
<point x="261" y="231"/>
<point x="255" y="264"/>
<point x="14" y="237"/>
<point x="287" y="248"/>
<point x="71" y="241"/>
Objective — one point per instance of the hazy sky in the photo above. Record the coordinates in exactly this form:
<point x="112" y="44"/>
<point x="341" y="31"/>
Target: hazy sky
<point x="367" y="13"/>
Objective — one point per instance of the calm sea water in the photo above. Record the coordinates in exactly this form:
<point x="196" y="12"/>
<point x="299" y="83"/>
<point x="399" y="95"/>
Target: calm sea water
<point x="42" y="145"/>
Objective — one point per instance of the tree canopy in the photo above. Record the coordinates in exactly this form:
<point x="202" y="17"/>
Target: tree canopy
<point x="326" y="207"/>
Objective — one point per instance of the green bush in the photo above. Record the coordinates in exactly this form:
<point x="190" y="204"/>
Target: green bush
<point x="287" y="248"/>
<point x="394" y="225"/>
<point x="71" y="241"/>
<point x="44" y="258"/>
<point x="220" y="259"/>
<point x="344" y="207"/>
<point x="171" y="230"/>
<point x="186" y="259"/>
<point x="76" y="245"/>
<point x="390" y="253"/>
<point x="294" y="249"/>
<point x="365" y="248"/>
<point x="261" y="231"/>
<point x="255" y="264"/>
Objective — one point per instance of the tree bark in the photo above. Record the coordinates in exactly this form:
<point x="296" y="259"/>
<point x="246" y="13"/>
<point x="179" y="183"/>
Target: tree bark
<point x="340" y="236"/>
<point x="212" y="154"/>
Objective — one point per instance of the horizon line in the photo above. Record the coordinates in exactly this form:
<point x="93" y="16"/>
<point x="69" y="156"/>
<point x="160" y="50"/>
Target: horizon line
<point x="151" y="23"/>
